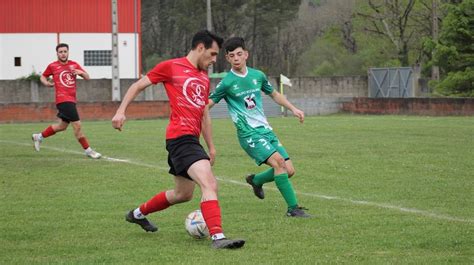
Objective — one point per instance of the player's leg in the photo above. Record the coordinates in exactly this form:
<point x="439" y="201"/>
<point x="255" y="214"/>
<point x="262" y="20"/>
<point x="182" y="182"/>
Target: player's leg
<point x="284" y="185"/>
<point x="182" y="192"/>
<point x="282" y="182"/>
<point x="200" y="171"/>
<point x="290" y="168"/>
<point x="81" y="138"/>
<point x="49" y="131"/>
<point x="257" y="180"/>
<point x="258" y="148"/>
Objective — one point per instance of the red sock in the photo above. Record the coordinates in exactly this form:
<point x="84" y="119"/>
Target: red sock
<point x="83" y="142"/>
<point x="157" y="203"/>
<point x="212" y="215"/>
<point x="48" y="132"/>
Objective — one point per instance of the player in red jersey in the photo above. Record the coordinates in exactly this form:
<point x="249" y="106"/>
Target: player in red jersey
<point x="64" y="72"/>
<point x="187" y="85"/>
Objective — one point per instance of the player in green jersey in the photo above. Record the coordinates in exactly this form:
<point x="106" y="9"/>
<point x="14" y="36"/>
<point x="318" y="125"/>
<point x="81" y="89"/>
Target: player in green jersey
<point x="241" y="89"/>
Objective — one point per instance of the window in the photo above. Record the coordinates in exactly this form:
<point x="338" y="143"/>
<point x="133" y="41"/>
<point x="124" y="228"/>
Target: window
<point x="98" y="58"/>
<point x="17" y="61"/>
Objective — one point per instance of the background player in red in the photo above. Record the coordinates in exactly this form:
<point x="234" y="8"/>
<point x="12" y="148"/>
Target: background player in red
<point x="187" y="86"/>
<point x="64" y="72"/>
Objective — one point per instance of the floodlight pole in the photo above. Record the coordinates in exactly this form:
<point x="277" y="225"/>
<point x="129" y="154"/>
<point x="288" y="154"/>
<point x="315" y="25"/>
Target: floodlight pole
<point x="434" y="17"/>
<point x="210" y="70"/>
<point x="115" y="54"/>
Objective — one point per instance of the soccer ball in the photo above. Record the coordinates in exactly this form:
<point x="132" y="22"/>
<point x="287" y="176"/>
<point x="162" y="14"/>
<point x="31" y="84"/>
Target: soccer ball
<point x="195" y="225"/>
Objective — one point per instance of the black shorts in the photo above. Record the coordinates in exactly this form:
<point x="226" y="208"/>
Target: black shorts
<point x="67" y="112"/>
<point x="182" y="153"/>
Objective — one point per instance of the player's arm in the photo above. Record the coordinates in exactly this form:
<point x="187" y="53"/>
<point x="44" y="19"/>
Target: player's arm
<point x="44" y="78"/>
<point x="282" y="101"/>
<point x="217" y="95"/>
<point x="119" y="119"/>
<point x="207" y="132"/>
<point x="81" y="73"/>
<point x="45" y="81"/>
<point x="211" y="104"/>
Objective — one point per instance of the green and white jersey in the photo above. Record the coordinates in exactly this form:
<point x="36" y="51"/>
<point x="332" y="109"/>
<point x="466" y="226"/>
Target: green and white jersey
<point x="244" y="100"/>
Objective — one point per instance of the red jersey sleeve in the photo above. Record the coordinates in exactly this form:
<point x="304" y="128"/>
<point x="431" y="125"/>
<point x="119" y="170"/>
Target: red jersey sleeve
<point x="78" y="66"/>
<point x="160" y="73"/>
<point x="47" y="72"/>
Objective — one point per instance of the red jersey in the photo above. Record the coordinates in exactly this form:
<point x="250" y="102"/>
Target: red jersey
<point x="188" y="91"/>
<point x="64" y="80"/>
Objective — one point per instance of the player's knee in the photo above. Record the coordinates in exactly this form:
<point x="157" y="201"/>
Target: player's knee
<point x="291" y="172"/>
<point x="60" y="127"/>
<point x="183" y="197"/>
<point x="76" y="124"/>
<point x="209" y="185"/>
<point x="279" y="164"/>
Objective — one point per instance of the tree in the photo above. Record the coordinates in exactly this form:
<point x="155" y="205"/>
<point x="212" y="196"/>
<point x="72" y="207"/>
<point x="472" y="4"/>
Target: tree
<point x="168" y="26"/>
<point x="390" y="19"/>
<point x="454" y="52"/>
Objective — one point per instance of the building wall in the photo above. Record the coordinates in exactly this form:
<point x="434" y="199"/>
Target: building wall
<point x="37" y="50"/>
<point x="42" y="16"/>
<point x="31" y="29"/>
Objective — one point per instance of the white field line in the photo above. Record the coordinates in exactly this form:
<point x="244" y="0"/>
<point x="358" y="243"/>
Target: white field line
<point x="314" y="195"/>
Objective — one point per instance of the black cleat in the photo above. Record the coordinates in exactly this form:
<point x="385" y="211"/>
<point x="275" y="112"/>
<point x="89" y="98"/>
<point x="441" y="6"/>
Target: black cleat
<point x="298" y="212"/>
<point x="143" y="223"/>
<point x="227" y="243"/>
<point x="257" y="189"/>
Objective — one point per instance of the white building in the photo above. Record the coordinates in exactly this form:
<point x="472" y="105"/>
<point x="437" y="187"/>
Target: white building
<point x="30" y="31"/>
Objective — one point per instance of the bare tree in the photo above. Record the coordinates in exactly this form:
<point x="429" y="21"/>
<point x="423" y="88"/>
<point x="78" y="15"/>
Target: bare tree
<point x="390" y="18"/>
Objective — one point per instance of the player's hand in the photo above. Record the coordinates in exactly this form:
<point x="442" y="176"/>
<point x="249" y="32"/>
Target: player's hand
<point x="50" y="83"/>
<point x="118" y="120"/>
<point x="212" y="155"/>
<point x="299" y="114"/>
<point x="77" y="72"/>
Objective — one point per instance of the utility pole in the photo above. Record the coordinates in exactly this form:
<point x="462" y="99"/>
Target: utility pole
<point x="115" y="55"/>
<point x="434" y="16"/>
<point x="210" y="70"/>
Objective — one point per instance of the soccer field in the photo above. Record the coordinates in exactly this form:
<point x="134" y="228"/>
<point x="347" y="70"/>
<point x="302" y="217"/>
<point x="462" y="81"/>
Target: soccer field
<point x="383" y="190"/>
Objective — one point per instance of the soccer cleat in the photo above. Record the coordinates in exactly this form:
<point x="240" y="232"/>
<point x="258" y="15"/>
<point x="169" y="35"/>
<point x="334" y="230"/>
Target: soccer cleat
<point x="298" y="212"/>
<point x="36" y="141"/>
<point x="257" y="189"/>
<point x="143" y="223"/>
<point x="93" y="154"/>
<point x="227" y="243"/>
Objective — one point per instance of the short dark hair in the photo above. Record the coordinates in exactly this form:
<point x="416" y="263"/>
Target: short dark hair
<point x="205" y="37"/>
<point x="60" y="45"/>
<point x="234" y="43"/>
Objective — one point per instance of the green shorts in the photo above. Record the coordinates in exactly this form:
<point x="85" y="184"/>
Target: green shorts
<point x="260" y="146"/>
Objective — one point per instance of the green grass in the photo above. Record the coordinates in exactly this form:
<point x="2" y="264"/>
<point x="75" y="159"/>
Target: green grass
<point x="384" y="190"/>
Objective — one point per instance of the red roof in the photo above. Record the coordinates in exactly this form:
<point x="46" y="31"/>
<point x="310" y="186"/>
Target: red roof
<point x="66" y="16"/>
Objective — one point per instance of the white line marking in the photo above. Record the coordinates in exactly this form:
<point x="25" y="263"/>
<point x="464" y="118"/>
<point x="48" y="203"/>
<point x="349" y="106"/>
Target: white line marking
<point x="315" y="195"/>
<point x="374" y="204"/>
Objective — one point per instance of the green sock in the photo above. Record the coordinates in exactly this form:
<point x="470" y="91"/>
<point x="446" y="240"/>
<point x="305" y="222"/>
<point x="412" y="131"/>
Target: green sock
<point x="286" y="190"/>
<point x="264" y="177"/>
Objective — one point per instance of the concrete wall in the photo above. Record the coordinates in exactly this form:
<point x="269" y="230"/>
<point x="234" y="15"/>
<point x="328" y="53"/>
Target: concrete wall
<point x="315" y="96"/>
<point x="328" y="87"/>
<point x="35" y="112"/>
<point x="324" y="95"/>
<point x="27" y="101"/>
<point x="96" y="90"/>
